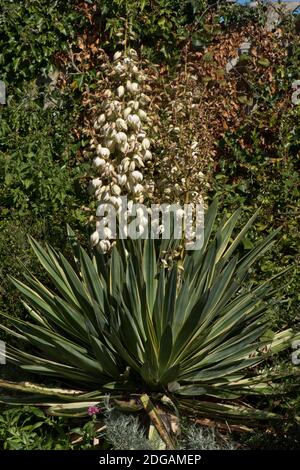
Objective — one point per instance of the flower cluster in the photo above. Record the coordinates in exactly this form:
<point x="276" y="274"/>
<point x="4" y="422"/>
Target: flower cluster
<point x="94" y="410"/>
<point x="183" y="142"/>
<point x="119" y="142"/>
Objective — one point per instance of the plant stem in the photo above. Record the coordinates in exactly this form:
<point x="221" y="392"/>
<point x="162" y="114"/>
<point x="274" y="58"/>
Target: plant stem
<point x="157" y="422"/>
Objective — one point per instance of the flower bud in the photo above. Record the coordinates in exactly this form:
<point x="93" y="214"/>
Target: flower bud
<point x="107" y="93"/>
<point x="109" y="113"/>
<point x="116" y="105"/>
<point x="101" y="119"/>
<point x="109" y="170"/>
<point x="142" y="115"/>
<point x="132" y="138"/>
<point x="128" y="85"/>
<point x="98" y="194"/>
<point x="117" y="55"/>
<point x="120" y="91"/>
<point x="132" y="166"/>
<point x="134" y="87"/>
<point x="144" y="99"/>
<point x="106" y="129"/>
<point x="132" y="53"/>
<point x="119" y="68"/>
<point x="126" y="112"/>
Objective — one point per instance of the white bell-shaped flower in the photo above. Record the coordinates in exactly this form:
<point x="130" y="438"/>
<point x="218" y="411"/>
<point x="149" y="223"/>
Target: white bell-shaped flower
<point x="124" y="148"/>
<point x="122" y="179"/>
<point x="134" y="104"/>
<point x="138" y="160"/>
<point x="107" y="93"/>
<point x="107" y="233"/>
<point x="121" y="124"/>
<point x="102" y="151"/>
<point x="125" y="164"/>
<point x="94" y="238"/>
<point x="134" y="121"/>
<point x="101" y="119"/>
<point x="116" y="201"/>
<point x="147" y="155"/>
<point x="146" y="144"/>
<point x="116" y="190"/>
<point x="105" y="196"/>
<point x="111" y="145"/>
<point x="132" y="166"/>
<point x="99" y="162"/>
<point x="137" y="176"/>
<point x="95" y="183"/>
<point x="127" y="111"/>
<point x="103" y="246"/>
<point x="137" y="188"/>
<point x="120" y="91"/>
<point x="128" y="85"/>
<point x="120" y="137"/>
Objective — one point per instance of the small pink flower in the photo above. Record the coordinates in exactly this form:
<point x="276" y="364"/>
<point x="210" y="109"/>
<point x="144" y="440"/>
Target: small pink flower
<point x="94" y="410"/>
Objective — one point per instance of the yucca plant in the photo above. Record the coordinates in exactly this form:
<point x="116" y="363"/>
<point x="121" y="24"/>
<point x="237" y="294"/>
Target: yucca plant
<point x="190" y="332"/>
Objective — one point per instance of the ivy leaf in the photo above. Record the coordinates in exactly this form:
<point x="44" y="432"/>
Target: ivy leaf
<point x="264" y="62"/>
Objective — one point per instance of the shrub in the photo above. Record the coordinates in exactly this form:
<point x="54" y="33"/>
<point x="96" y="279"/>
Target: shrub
<point x="28" y="428"/>
<point x="131" y="323"/>
<point x="124" y="432"/>
<point x="200" y="438"/>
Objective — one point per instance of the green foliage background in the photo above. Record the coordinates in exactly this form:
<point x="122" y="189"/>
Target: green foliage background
<point x="40" y="188"/>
